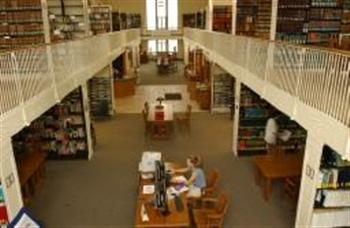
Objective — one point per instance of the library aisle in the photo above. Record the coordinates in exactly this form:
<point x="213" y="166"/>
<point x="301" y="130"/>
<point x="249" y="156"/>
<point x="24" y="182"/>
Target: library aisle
<point x="102" y="192"/>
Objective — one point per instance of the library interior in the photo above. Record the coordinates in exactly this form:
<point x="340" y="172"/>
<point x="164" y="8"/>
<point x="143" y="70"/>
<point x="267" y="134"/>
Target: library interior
<point x="175" y="113"/>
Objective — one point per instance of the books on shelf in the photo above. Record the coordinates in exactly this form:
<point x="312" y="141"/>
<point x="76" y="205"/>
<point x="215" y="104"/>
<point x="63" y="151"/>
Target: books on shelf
<point x="100" y="19"/>
<point x="253" y="116"/>
<point x="222" y="19"/>
<point x="223" y="92"/>
<point x="332" y="198"/>
<point x="20" y="24"/>
<point x="100" y="96"/>
<point x="60" y="132"/>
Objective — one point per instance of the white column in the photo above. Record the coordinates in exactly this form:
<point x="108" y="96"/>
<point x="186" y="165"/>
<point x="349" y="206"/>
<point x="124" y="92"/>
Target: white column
<point x="86" y="17"/>
<point x="309" y="180"/>
<point x="111" y="73"/>
<point x="273" y="25"/>
<point x="234" y="16"/>
<point x="9" y="179"/>
<point x="210" y="15"/>
<point x="86" y="107"/>
<point x="236" y="116"/>
<point x="186" y="46"/>
<point x="46" y="23"/>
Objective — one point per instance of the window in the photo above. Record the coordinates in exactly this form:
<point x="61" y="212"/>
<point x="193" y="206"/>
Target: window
<point x="162" y="14"/>
<point x="155" y="46"/>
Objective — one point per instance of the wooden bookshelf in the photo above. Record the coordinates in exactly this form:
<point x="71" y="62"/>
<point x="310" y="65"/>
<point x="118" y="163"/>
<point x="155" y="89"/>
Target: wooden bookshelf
<point x="67" y="19"/>
<point x="100" y="19"/>
<point x="247" y="12"/>
<point x="189" y="20"/>
<point x="222" y="19"/>
<point x="263" y="22"/>
<point x="21" y="23"/>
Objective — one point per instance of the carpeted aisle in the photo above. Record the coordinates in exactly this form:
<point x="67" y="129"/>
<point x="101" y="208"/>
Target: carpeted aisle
<point x="102" y="192"/>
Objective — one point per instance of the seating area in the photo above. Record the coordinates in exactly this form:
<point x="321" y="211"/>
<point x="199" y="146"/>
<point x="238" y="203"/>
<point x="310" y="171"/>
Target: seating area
<point x="159" y="119"/>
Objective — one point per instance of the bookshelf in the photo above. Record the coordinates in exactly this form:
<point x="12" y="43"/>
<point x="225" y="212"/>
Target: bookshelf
<point x="223" y="92"/>
<point x="332" y="198"/>
<point x="101" y="94"/>
<point x="189" y="20"/>
<point x="253" y="115"/>
<point x="292" y="20"/>
<point x="222" y="19"/>
<point x="68" y="19"/>
<point x="314" y="22"/>
<point x="115" y="21"/>
<point x="201" y="19"/>
<point x="344" y="37"/>
<point x="263" y="22"/>
<point x="100" y="19"/>
<point x="61" y="130"/>
<point x="247" y="12"/>
<point x="21" y="23"/>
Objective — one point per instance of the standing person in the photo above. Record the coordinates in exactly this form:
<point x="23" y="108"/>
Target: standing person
<point x="197" y="180"/>
<point x="271" y="135"/>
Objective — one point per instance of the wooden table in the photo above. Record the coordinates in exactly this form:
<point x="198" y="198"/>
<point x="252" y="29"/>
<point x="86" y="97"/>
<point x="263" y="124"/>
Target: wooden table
<point x="31" y="168"/>
<point x="270" y="168"/>
<point x="156" y="219"/>
<point x="161" y="129"/>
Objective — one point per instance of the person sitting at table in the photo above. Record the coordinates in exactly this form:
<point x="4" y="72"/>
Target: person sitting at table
<point x="197" y="180"/>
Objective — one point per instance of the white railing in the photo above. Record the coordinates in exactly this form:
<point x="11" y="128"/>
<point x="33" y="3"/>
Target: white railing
<point x="319" y="78"/>
<point x="28" y="72"/>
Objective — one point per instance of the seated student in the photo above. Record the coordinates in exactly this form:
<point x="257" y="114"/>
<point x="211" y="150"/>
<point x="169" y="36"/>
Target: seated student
<point x="197" y="180"/>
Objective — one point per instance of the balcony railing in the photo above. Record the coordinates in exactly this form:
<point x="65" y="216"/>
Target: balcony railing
<point x="28" y="72"/>
<point x="319" y="78"/>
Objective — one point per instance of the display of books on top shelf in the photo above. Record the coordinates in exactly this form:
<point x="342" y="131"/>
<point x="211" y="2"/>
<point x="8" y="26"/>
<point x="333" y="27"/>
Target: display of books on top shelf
<point x="100" y="18"/>
<point x="20" y="24"/>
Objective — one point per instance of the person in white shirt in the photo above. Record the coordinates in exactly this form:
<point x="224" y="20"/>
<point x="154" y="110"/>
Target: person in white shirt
<point x="271" y="135"/>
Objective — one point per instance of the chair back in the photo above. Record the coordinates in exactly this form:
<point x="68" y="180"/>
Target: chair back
<point x="145" y="115"/>
<point x="213" y="178"/>
<point x="146" y="106"/>
<point x="188" y="111"/>
<point x="222" y="204"/>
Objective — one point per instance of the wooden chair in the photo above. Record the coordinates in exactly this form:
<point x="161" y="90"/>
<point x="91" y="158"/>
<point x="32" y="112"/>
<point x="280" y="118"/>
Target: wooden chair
<point x="185" y="119"/>
<point x="212" y="216"/>
<point x="148" y="126"/>
<point x="291" y="187"/>
<point x="212" y="181"/>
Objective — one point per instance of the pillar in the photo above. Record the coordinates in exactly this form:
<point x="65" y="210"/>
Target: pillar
<point x="86" y="107"/>
<point x="234" y="17"/>
<point x="235" y="127"/>
<point x="273" y="25"/>
<point x="210" y="15"/>
<point x="309" y="180"/>
<point x="9" y="178"/>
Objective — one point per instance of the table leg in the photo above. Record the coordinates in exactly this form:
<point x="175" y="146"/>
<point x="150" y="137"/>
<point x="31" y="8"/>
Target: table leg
<point x="257" y="177"/>
<point x="267" y="189"/>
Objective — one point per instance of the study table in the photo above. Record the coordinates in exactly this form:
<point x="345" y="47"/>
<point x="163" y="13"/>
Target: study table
<point x="156" y="219"/>
<point x="270" y="168"/>
<point x="161" y="127"/>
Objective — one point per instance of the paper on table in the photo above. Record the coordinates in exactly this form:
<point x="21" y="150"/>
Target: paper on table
<point x="179" y="179"/>
<point x="148" y="189"/>
<point x="144" y="215"/>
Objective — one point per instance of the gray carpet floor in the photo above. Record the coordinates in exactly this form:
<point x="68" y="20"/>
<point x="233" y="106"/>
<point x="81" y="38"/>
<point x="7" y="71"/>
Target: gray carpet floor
<point x="102" y="192"/>
<point x="149" y="76"/>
